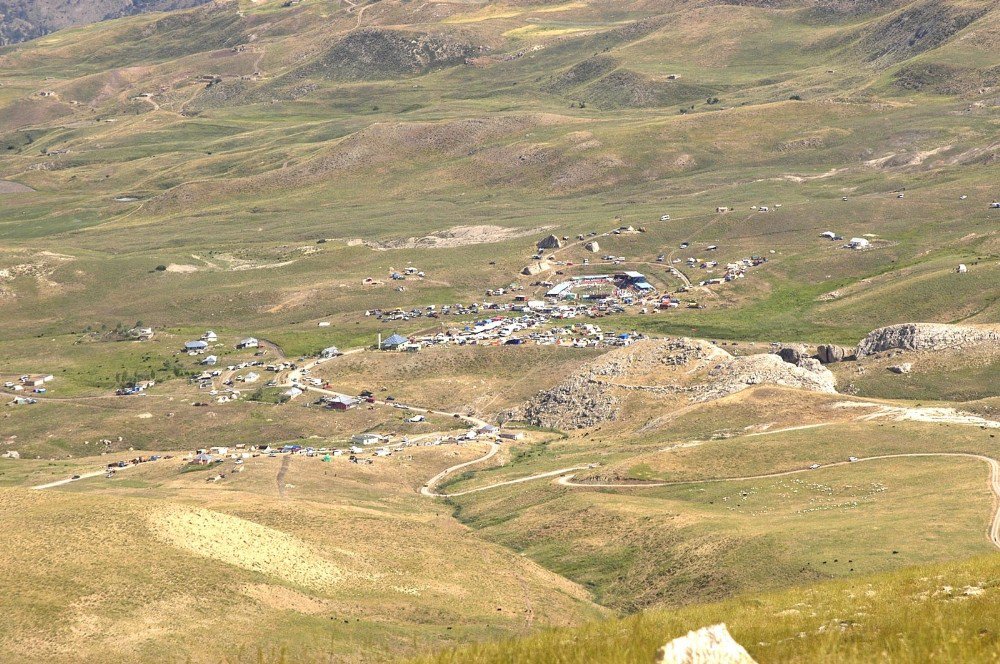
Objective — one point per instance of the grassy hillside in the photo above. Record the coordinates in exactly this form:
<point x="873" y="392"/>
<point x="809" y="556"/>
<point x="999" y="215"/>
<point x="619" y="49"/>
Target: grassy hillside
<point x="921" y="614"/>
<point x="144" y="567"/>
<point x="238" y="137"/>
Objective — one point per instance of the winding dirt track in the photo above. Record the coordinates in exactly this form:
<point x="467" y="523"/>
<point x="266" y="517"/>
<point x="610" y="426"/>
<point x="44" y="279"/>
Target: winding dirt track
<point x="566" y="479"/>
<point x="427" y="490"/>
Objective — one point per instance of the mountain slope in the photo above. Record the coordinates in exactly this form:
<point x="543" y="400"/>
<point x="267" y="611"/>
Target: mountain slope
<point x="21" y="20"/>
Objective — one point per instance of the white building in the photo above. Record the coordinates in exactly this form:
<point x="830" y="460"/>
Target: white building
<point x="366" y="438"/>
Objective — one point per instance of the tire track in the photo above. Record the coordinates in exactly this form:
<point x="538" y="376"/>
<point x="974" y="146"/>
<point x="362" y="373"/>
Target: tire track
<point x="282" y="471"/>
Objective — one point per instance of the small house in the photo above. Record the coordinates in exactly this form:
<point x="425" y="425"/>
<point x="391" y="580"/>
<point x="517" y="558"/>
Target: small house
<point x="210" y="361"/>
<point x="366" y="438"/>
<point x="858" y="243"/>
<point x="210" y="336"/>
<point x="340" y="403"/>
<point x="249" y="342"/>
<point x="195" y="346"/>
<point x="395" y="342"/>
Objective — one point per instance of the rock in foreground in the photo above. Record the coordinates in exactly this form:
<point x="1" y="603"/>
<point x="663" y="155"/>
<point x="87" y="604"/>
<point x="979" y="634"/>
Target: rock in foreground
<point x="708" y="645"/>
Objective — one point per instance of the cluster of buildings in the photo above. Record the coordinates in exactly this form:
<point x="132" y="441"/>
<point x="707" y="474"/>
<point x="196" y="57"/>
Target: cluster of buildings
<point x="33" y="382"/>
<point x="530" y="328"/>
<point x="853" y="243"/>
<point x="136" y="388"/>
<point x="199" y="346"/>
<point x="372" y="444"/>
<point x="621" y="287"/>
<point x="732" y="271"/>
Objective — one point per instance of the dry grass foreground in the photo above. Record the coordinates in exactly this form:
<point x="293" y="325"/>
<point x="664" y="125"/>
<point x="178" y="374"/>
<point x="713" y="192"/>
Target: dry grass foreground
<point x="351" y="566"/>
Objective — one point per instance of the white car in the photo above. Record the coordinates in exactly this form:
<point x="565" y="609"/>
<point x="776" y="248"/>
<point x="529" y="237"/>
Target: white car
<point x="852" y="459"/>
<point x="814" y="466"/>
<point x="665" y="217"/>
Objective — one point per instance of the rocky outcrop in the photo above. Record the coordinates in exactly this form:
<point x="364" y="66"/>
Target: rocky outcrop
<point x="592" y="246"/>
<point x="904" y="368"/>
<point x="589" y="397"/>
<point x="578" y="403"/>
<point x="925" y="336"/>
<point x="550" y="242"/>
<point x="739" y="373"/>
<point x="692" y="370"/>
<point x="829" y="353"/>
<point x="377" y="54"/>
<point x="708" y="645"/>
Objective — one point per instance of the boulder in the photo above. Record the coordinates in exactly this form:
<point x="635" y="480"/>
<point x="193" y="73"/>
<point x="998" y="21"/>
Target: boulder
<point x="550" y="242"/>
<point x="791" y="354"/>
<point x="829" y="353"/>
<point x="903" y="368"/>
<point x="708" y="645"/>
<point x="592" y="246"/>
<point x="535" y="268"/>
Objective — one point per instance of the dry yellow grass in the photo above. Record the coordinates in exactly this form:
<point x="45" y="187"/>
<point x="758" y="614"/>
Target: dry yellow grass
<point x="142" y="567"/>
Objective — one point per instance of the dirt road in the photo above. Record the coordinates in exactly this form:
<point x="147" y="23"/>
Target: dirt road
<point x="82" y="476"/>
<point x="566" y="479"/>
<point x="428" y="488"/>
